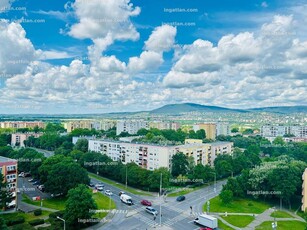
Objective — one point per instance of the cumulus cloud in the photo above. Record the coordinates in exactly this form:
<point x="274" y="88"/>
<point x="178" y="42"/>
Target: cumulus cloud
<point x="16" y="50"/>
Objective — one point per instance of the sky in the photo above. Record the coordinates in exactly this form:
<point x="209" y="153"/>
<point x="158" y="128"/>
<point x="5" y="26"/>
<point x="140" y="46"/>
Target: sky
<point x="98" y="56"/>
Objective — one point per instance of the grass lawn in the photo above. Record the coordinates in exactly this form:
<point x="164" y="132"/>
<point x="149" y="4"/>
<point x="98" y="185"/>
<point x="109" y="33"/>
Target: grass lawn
<point x="120" y="186"/>
<point x="239" y="221"/>
<point x="237" y="206"/>
<point x="28" y="216"/>
<point x="53" y="203"/>
<point x="103" y="202"/>
<point x="281" y="214"/>
<point x="224" y="226"/>
<point x="282" y="225"/>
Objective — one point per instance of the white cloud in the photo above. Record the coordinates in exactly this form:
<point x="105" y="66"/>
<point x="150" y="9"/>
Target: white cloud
<point x="162" y="39"/>
<point x="5" y="5"/>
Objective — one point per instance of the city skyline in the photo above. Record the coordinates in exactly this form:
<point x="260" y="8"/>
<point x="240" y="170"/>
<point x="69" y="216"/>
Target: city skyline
<point x="121" y="55"/>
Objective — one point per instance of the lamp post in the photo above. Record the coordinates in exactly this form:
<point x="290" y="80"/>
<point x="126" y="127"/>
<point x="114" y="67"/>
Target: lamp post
<point x="62" y="220"/>
<point x="274" y="224"/>
<point x="214" y="181"/>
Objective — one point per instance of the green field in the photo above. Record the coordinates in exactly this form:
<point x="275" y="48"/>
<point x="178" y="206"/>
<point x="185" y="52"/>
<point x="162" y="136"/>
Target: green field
<point x="237" y="206"/>
<point x="238" y="220"/>
<point x="281" y="214"/>
<point x="28" y="216"/>
<point x="120" y="186"/>
<point x="223" y="226"/>
<point x="283" y="225"/>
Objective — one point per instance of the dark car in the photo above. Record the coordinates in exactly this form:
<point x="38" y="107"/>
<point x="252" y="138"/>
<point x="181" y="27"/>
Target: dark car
<point x="146" y="202"/>
<point x="27" y="174"/>
<point x="91" y="184"/>
<point x="36" y="182"/>
<point x="180" y="198"/>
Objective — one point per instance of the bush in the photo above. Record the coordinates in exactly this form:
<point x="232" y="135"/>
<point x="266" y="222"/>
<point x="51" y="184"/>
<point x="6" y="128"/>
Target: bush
<point x="250" y="204"/>
<point x="55" y="214"/>
<point x="36" y="222"/>
<point x="37" y="212"/>
<point x="17" y="220"/>
<point x="24" y="226"/>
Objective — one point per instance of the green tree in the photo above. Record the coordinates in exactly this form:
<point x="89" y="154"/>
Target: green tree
<point x="142" y="132"/>
<point x="200" y="134"/>
<point x="179" y="164"/>
<point x="279" y="141"/>
<point x="235" y="130"/>
<point x="155" y="177"/>
<point x="64" y="176"/>
<point x="226" y="196"/>
<point x="78" y="205"/>
<point x="5" y="194"/>
<point x="81" y="145"/>
<point x="3" y="225"/>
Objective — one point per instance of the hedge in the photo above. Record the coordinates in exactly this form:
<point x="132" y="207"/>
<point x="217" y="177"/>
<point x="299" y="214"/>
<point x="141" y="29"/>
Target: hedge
<point x="36" y="222"/>
<point x="37" y="212"/>
<point x="17" y="220"/>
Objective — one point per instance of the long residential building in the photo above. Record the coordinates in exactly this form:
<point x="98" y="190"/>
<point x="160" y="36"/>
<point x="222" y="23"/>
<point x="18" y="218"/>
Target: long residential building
<point x="22" y="124"/>
<point x="8" y="168"/>
<point x="19" y="138"/>
<point x="150" y="156"/>
<point x="131" y="126"/>
<point x="89" y="124"/>
<point x="280" y="130"/>
<point x="164" y="125"/>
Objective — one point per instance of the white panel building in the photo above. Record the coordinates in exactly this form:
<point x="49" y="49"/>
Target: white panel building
<point x="131" y="126"/>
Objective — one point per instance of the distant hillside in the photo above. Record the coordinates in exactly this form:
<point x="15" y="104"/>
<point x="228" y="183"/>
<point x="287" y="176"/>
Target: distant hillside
<point x="281" y="109"/>
<point x="190" y="107"/>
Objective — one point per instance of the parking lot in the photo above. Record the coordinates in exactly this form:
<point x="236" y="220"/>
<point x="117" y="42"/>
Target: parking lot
<point x="27" y="188"/>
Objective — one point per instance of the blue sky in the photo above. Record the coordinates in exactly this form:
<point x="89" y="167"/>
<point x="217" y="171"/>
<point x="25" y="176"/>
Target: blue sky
<point x="121" y="55"/>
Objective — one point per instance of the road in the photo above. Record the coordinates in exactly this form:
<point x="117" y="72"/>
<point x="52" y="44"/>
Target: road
<point x="45" y="152"/>
<point x="175" y="215"/>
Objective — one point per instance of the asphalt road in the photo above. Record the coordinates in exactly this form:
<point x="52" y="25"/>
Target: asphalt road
<point x="175" y="215"/>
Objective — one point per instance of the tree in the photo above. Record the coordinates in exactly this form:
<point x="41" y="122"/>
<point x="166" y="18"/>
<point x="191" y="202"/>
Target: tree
<point x="235" y="130"/>
<point x="142" y="132"/>
<point x="82" y="145"/>
<point x="63" y="177"/>
<point x="226" y="196"/>
<point x="179" y="164"/>
<point x="3" y="225"/>
<point x="78" y="205"/>
<point x="5" y="194"/>
<point x="155" y="177"/>
<point x="279" y="141"/>
<point x="200" y="134"/>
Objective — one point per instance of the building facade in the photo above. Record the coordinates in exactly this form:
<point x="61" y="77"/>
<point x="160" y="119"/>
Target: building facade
<point x="8" y="168"/>
<point x="22" y="124"/>
<point x="150" y="156"/>
<point x="222" y="128"/>
<point x="280" y="130"/>
<point x="164" y="125"/>
<point x="210" y="129"/>
<point x="131" y="126"/>
<point x="19" y="138"/>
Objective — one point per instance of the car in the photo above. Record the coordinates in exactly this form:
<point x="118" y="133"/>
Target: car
<point x="91" y="184"/>
<point x="99" y="187"/>
<point x="27" y="174"/>
<point x="37" y="182"/>
<point x="31" y="180"/>
<point x="22" y="174"/>
<point x="56" y="195"/>
<point x="12" y="204"/>
<point x="146" y="202"/>
<point x="151" y="210"/>
<point x="41" y="187"/>
<point x="205" y="228"/>
<point x="180" y="198"/>
<point x="121" y="192"/>
<point x="108" y="192"/>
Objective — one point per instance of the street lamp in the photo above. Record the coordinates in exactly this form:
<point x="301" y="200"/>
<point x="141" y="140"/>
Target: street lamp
<point x="62" y="220"/>
<point x="214" y="181"/>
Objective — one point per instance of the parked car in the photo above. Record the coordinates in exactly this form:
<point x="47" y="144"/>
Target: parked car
<point x="56" y="195"/>
<point x="108" y="192"/>
<point x="12" y="204"/>
<point x="146" y="202"/>
<point x="151" y="210"/>
<point x="91" y="184"/>
<point x="27" y="174"/>
<point x="41" y="187"/>
<point x="32" y="180"/>
<point x="121" y="192"/>
<point x="37" y="182"/>
<point x="22" y="174"/>
<point x="205" y="228"/>
<point x="180" y="198"/>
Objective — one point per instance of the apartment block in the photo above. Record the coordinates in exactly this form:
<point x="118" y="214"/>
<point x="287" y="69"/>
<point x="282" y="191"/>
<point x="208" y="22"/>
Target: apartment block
<point x="22" y="124"/>
<point x="222" y="128"/>
<point x="19" y="138"/>
<point x="150" y="156"/>
<point x="131" y="126"/>
<point x="304" y="191"/>
<point x="8" y="168"/>
<point x="210" y="129"/>
<point x="164" y="125"/>
<point x="279" y="130"/>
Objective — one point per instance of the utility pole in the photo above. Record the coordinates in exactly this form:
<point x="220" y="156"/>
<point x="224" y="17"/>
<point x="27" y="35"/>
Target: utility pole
<point x="160" y="196"/>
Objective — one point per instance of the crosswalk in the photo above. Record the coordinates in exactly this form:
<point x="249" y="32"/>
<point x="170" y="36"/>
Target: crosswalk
<point x="178" y="218"/>
<point x="146" y="220"/>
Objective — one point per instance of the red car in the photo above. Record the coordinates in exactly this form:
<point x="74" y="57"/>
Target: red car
<point x="146" y="202"/>
<point x="205" y="228"/>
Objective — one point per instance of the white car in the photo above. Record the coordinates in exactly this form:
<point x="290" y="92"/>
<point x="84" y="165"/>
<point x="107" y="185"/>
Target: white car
<point x="108" y="192"/>
<point x="22" y="174"/>
<point x="99" y="187"/>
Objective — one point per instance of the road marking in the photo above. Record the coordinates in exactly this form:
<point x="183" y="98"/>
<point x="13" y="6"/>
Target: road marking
<point x="176" y="219"/>
<point x="146" y="220"/>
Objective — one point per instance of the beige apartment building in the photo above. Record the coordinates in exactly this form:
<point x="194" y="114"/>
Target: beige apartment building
<point x="164" y="125"/>
<point x="22" y="124"/>
<point x="19" y="138"/>
<point x="210" y="129"/>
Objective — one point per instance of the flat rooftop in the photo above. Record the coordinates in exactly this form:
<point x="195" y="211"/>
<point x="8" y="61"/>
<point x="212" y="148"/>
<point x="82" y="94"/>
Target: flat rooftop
<point x="5" y="159"/>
